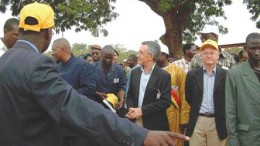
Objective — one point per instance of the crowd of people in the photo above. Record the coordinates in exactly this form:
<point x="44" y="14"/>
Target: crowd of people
<point x="93" y="100"/>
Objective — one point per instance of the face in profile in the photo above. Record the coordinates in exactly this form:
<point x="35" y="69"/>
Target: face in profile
<point x="56" y="53"/>
<point x="12" y="35"/>
<point x="115" y="58"/>
<point x="143" y="56"/>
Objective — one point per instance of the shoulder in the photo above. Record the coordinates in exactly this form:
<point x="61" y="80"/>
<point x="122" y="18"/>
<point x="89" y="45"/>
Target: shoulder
<point x="118" y="67"/>
<point x="238" y="69"/>
<point x="161" y="72"/>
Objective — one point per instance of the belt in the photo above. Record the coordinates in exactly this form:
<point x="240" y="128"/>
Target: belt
<point x="210" y="115"/>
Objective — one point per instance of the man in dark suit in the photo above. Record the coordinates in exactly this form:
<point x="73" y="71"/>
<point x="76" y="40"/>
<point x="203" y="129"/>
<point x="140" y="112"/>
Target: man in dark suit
<point x="35" y="100"/>
<point x="205" y="92"/>
<point x="149" y="93"/>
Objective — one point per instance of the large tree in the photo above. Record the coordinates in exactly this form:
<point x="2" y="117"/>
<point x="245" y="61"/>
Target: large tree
<point x="183" y="18"/>
<point x="89" y="15"/>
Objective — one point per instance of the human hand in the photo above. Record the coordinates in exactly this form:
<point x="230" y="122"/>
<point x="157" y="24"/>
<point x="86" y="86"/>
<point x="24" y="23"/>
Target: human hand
<point x="162" y="138"/>
<point x="120" y="104"/>
<point x="101" y="95"/>
<point x="183" y="128"/>
<point x="134" y="113"/>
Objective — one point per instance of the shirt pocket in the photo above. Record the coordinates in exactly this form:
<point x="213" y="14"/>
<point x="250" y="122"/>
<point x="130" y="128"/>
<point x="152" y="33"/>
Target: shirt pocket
<point x="243" y="127"/>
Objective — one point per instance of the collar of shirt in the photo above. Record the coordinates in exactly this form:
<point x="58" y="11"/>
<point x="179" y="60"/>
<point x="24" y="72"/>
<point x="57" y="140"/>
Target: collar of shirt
<point x="142" y="69"/>
<point x="100" y="67"/>
<point x="2" y="46"/>
<point x="70" y="60"/>
<point x="29" y="43"/>
<point x="205" y="70"/>
<point x="184" y="61"/>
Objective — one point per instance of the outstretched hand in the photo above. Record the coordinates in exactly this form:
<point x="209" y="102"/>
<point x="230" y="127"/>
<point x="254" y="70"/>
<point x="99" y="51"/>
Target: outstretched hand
<point x="162" y="138"/>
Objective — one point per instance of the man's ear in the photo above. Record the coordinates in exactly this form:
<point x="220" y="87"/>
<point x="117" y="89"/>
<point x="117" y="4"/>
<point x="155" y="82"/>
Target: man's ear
<point x="48" y="34"/>
<point x="5" y="30"/>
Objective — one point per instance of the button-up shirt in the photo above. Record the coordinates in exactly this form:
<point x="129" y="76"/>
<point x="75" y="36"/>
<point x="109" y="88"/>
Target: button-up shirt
<point x="207" y="105"/>
<point x="185" y="65"/>
<point x="3" y="48"/>
<point x="145" y="76"/>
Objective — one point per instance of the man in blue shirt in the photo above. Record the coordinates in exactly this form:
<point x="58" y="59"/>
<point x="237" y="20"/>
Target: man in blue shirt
<point x="80" y="75"/>
<point x="111" y="77"/>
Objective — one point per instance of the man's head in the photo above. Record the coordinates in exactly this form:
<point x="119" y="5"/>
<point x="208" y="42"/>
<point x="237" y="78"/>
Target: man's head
<point x="11" y="30"/>
<point x="209" y="32"/>
<point x="61" y="50"/>
<point x="148" y="52"/>
<point x="253" y="48"/>
<point x="107" y="55"/>
<point x="131" y="60"/>
<point x="36" y="23"/>
<point x="163" y="58"/>
<point x="209" y="53"/>
<point x="116" y="55"/>
<point x="88" y="58"/>
<point x="189" y="50"/>
<point x="95" y="52"/>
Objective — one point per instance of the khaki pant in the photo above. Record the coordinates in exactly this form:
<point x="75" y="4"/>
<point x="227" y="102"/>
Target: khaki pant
<point x="205" y="133"/>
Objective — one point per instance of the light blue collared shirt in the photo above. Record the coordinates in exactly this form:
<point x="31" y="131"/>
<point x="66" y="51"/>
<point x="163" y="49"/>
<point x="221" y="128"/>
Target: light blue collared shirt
<point x="207" y="105"/>
<point x="143" y="83"/>
<point x="29" y="43"/>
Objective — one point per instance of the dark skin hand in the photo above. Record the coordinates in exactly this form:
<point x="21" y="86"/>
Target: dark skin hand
<point x="183" y="128"/>
<point x="101" y="95"/>
<point x="162" y="138"/>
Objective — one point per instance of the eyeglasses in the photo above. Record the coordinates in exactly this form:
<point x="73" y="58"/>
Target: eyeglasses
<point x="209" y="53"/>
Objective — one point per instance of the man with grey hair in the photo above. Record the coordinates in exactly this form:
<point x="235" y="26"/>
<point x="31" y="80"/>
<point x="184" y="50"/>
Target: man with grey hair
<point x="149" y="91"/>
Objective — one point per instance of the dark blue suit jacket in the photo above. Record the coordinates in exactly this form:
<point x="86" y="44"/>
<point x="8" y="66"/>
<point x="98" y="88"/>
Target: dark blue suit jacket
<point x="35" y="100"/>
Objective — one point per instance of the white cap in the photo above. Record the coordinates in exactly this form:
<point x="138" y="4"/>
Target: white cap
<point x="209" y="29"/>
<point x="164" y="48"/>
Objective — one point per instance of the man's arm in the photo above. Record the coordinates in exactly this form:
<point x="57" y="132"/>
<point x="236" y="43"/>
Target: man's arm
<point x="70" y="109"/>
<point x="121" y="89"/>
<point x="188" y="87"/>
<point x="87" y="82"/>
<point x="185" y="107"/>
<point x="231" y="109"/>
<point x="76" y="112"/>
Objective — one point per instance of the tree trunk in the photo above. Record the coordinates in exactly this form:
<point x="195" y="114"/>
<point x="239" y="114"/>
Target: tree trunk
<point x="173" y="35"/>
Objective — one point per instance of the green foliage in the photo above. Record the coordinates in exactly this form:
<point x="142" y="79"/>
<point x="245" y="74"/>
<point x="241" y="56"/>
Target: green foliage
<point x="123" y="52"/>
<point x="80" y="49"/>
<point x="254" y="8"/>
<point x="83" y="14"/>
<point x="191" y="15"/>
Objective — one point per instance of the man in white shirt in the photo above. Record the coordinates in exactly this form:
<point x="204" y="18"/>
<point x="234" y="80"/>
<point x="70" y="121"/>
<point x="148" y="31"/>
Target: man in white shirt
<point x="11" y="29"/>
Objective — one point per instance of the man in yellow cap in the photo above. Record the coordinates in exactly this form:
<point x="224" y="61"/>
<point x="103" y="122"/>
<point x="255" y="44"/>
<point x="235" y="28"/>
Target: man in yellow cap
<point x="35" y="101"/>
<point x="205" y="93"/>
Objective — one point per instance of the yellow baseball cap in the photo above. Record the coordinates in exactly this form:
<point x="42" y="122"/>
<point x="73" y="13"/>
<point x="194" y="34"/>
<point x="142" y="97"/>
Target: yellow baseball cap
<point x="111" y="98"/>
<point x="209" y="43"/>
<point x="43" y="13"/>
